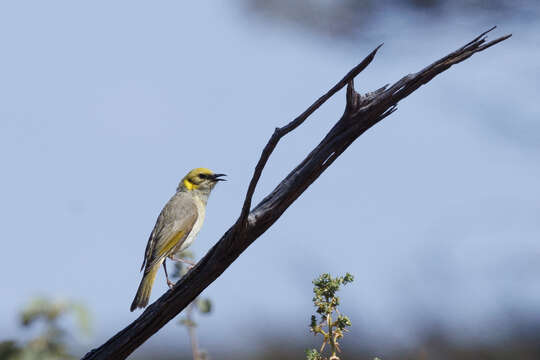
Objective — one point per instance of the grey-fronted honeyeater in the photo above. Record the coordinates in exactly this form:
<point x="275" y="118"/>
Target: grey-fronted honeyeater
<point x="176" y="227"/>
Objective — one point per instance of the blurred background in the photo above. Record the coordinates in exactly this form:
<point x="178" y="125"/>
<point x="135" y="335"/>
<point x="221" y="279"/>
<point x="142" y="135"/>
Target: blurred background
<point x="104" y="106"/>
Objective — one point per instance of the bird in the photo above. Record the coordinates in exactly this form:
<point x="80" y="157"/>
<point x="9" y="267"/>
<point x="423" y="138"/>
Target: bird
<point x="176" y="227"/>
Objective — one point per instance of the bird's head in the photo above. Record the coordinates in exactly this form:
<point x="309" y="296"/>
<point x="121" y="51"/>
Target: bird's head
<point x="201" y="179"/>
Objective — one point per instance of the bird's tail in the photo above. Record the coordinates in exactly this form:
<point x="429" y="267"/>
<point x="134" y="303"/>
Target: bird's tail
<point x="145" y="288"/>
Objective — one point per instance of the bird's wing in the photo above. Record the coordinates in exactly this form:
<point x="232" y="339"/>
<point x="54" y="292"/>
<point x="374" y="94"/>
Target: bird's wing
<point x="152" y="239"/>
<point x="173" y="225"/>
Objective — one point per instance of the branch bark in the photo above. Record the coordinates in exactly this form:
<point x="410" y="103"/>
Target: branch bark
<point x="361" y="113"/>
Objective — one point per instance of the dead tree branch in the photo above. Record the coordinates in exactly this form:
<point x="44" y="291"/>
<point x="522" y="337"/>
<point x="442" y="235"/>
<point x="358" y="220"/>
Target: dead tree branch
<point x="361" y="113"/>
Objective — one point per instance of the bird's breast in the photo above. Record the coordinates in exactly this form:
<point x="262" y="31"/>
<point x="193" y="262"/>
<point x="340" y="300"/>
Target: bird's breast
<point x="201" y="212"/>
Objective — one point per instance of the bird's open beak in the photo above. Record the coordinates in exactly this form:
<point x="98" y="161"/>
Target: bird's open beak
<point x="216" y="177"/>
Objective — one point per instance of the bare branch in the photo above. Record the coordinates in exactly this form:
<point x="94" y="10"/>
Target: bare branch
<point x="281" y="132"/>
<point x="361" y="113"/>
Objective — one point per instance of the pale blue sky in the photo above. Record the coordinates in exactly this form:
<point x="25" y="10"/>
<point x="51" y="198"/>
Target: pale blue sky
<point x="105" y="106"/>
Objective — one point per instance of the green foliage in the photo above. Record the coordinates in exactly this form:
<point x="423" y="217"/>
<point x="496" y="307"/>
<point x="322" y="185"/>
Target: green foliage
<point x="50" y="344"/>
<point x="326" y="303"/>
<point x="313" y="354"/>
<point x="204" y="306"/>
<point x="51" y="311"/>
<point x="9" y="350"/>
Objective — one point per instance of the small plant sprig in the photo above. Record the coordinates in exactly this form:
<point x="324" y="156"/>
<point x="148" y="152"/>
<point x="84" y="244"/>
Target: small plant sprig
<point x="204" y="306"/>
<point x="326" y="303"/>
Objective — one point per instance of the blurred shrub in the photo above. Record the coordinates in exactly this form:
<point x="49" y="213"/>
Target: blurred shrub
<point x="50" y="344"/>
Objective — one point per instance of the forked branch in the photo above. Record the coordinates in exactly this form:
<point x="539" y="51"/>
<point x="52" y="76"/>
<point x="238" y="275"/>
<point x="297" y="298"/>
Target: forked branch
<point x="361" y="113"/>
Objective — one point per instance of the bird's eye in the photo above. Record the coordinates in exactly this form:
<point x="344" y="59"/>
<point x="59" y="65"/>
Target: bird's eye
<point x="203" y="176"/>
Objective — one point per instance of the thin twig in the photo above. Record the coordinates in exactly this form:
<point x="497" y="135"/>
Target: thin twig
<point x="191" y="332"/>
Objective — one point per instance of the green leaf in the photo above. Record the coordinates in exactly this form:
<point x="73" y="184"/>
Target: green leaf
<point x="313" y="322"/>
<point x="204" y="306"/>
<point x="342" y="322"/>
<point x="312" y="354"/>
